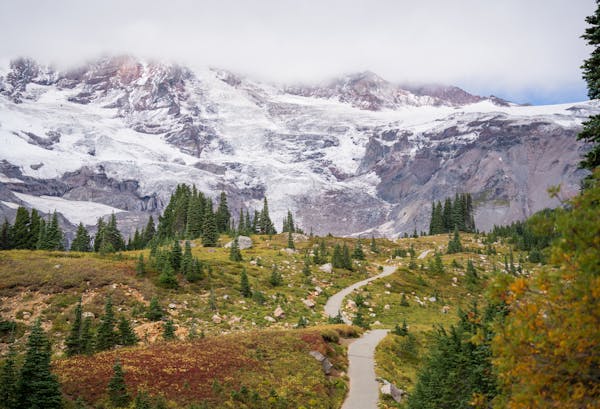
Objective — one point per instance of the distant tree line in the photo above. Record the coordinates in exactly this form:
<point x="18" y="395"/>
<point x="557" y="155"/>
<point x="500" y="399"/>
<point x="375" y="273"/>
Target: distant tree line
<point x="457" y="213"/>
<point x="31" y="231"/>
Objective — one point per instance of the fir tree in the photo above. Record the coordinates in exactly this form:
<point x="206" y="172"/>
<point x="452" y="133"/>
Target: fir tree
<point x="100" y="225"/>
<point x="591" y="74"/>
<point x="471" y="274"/>
<point x="112" y="240"/>
<point x="196" y="272"/>
<point x="454" y="245"/>
<point x="20" y="229"/>
<point x="126" y="336"/>
<point x="290" y="244"/>
<point x="167" y="277"/>
<point x="9" y="396"/>
<point x="107" y="337"/>
<point x="149" y="231"/>
<point x="81" y="242"/>
<point x="438" y="266"/>
<point x="140" y="267"/>
<point x="5" y="235"/>
<point x="373" y="246"/>
<point x="117" y="390"/>
<point x="306" y="269"/>
<point x="155" y="311"/>
<point x="168" y="330"/>
<point x="346" y="259"/>
<point x="175" y="256"/>
<point x="187" y="260"/>
<point x="234" y="252"/>
<point x="142" y="401"/>
<point x="210" y="233"/>
<point x="38" y="388"/>
<point x="337" y="257"/>
<point x="73" y="341"/>
<point x="245" y="289"/>
<point x="87" y="338"/>
<point x="447" y="220"/>
<point x="195" y="219"/>
<point x="222" y="215"/>
<point x="265" y="223"/>
<point x="34" y="229"/>
<point x="250" y="228"/>
<point x="276" y="279"/>
<point x="358" y="253"/>
<point x="54" y="236"/>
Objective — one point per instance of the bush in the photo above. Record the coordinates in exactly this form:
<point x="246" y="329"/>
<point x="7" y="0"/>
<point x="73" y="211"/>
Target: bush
<point x="330" y="335"/>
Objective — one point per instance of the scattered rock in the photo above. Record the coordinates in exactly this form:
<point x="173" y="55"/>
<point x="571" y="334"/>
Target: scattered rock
<point x="216" y="319"/>
<point x="390" y="389"/>
<point x="432" y="299"/>
<point x="445" y="309"/>
<point x="57" y="266"/>
<point x="318" y="290"/>
<point x="244" y="242"/>
<point x="235" y="320"/>
<point x="388" y="285"/>
<point x="327" y="268"/>
<point x="269" y="319"/>
<point x="454" y="280"/>
<point x="88" y="314"/>
<point x="278" y="313"/>
<point x="350" y="304"/>
<point x="377" y="323"/>
<point x="172" y="306"/>
<point x="290" y="251"/>
<point x="386" y="307"/>
<point x="252" y="262"/>
<point x="325" y="363"/>
<point x="309" y="303"/>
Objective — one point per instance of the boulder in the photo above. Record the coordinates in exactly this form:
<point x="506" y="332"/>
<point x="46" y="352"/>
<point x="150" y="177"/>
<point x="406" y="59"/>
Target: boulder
<point x="325" y="363"/>
<point x="216" y="319"/>
<point x="269" y="319"/>
<point x="244" y="242"/>
<point x="309" y="303"/>
<point x="327" y="268"/>
<point x="88" y="314"/>
<point x="390" y="389"/>
<point x="172" y="306"/>
<point x="278" y="313"/>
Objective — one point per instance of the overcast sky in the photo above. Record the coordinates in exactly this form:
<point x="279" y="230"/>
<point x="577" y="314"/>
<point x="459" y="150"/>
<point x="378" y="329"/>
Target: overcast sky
<point x="523" y="50"/>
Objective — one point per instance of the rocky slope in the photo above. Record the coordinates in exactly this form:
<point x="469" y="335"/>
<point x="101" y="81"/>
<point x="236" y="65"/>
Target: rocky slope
<point x="355" y="155"/>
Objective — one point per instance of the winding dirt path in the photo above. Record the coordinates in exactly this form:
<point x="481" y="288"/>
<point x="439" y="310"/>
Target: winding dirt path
<point x="364" y="389"/>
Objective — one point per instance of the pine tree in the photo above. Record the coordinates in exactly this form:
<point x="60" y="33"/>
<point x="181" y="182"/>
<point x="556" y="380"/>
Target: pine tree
<point x="73" y="341"/>
<point x="167" y="277"/>
<point x="454" y="245"/>
<point x="337" y="257"/>
<point x="81" y="242"/>
<point x="358" y="253"/>
<point x="373" y="246"/>
<point x="346" y="259"/>
<point x="126" y="336"/>
<point x="176" y="256"/>
<point x="54" y="236"/>
<point x="112" y="240"/>
<point x="20" y="229"/>
<point x="149" y="231"/>
<point x="169" y="330"/>
<point x="265" y="224"/>
<point x="234" y="251"/>
<point x="276" y="279"/>
<point x="210" y="233"/>
<point x="250" y="228"/>
<point x="107" y="337"/>
<point x="117" y="390"/>
<point x="222" y="215"/>
<point x="447" y="220"/>
<point x="140" y="267"/>
<point x="306" y="269"/>
<point x="34" y="229"/>
<point x="38" y="387"/>
<point x="100" y="225"/>
<point x="9" y="396"/>
<point x="290" y="244"/>
<point x="187" y="260"/>
<point x="155" y="311"/>
<point x="241" y="230"/>
<point x="6" y="241"/>
<point x="195" y="218"/>
<point x="471" y="274"/>
<point x="591" y="74"/>
<point x="142" y="401"/>
<point x="245" y="289"/>
<point x="438" y="266"/>
<point x="87" y="338"/>
<point x="196" y="272"/>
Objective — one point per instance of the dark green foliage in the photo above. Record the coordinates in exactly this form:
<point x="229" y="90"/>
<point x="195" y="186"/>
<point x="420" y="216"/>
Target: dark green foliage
<point x="167" y="277"/>
<point x="436" y="266"/>
<point x="9" y="396"/>
<point x="401" y="330"/>
<point x="126" y="336"/>
<point x="38" y="387"/>
<point x="73" y="341"/>
<point x="306" y="268"/>
<point x="302" y="322"/>
<point x="346" y="259"/>
<point x="187" y="261"/>
<point x="155" y="311"/>
<point x="87" y="337"/>
<point x="169" y="330"/>
<point x="112" y="240"/>
<point x="210" y="233"/>
<point x="288" y="224"/>
<point x="149" y="232"/>
<point x="337" y="257"/>
<point x="107" y="337"/>
<point x="222" y="215"/>
<point x="140" y="267"/>
<point x="276" y="279"/>
<point x="471" y="275"/>
<point x="535" y="256"/>
<point x="265" y="225"/>
<point x="175" y="256"/>
<point x="234" y="251"/>
<point x="35" y="223"/>
<point x="454" y="245"/>
<point x="117" y="390"/>
<point x="196" y="272"/>
<point x="359" y="321"/>
<point x="20" y="229"/>
<point x="373" y="245"/>
<point x="259" y="297"/>
<point x="100" y="225"/>
<point x="457" y="213"/>
<point x="591" y="74"/>
<point x="245" y="289"/>
<point x="5" y="235"/>
<point x="82" y="239"/>
<point x="290" y="244"/>
<point x="358" y="253"/>
<point x="458" y="365"/>
<point x="404" y="301"/>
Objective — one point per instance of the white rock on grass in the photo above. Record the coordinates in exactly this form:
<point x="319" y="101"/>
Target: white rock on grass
<point x="327" y="268"/>
<point x="244" y="243"/>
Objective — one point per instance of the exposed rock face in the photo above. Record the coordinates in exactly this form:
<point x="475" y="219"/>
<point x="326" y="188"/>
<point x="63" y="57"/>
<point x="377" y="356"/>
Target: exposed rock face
<point x="357" y="155"/>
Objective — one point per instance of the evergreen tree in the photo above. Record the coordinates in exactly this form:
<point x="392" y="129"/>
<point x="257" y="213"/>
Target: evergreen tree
<point x="288" y="223"/>
<point x="245" y="289"/>
<point x="73" y="341"/>
<point x="290" y="244"/>
<point x="81" y="242"/>
<point x="20" y="230"/>
<point x="358" y="253"/>
<point x="276" y="279"/>
<point x="87" y="338"/>
<point x="167" y="277"/>
<point x="142" y="401"/>
<point x="54" y="236"/>
<point x="265" y="224"/>
<point x="169" y="330"/>
<point x="117" y="390"/>
<point x="222" y="215"/>
<point x="210" y="233"/>
<point x="140" y="267"/>
<point x="306" y="269"/>
<point x="100" y="225"/>
<point x="195" y="218"/>
<point x="112" y="240"/>
<point x="337" y="260"/>
<point x="38" y="387"/>
<point x="107" y="337"/>
<point x="187" y="260"/>
<point x="591" y="74"/>
<point x="447" y="220"/>
<point x="438" y="266"/>
<point x="471" y="274"/>
<point x="454" y="245"/>
<point x="9" y="396"/>
<point x="6" y="241"/>
<point x="196" y="272"/>
<point x="155" y="311"/>
<point x="34" y="229"/>
<point x="373" y="246"/>
<point x="234" y="251"/>
<point x="149" y="232"/>
<point x="176" y="256"/>
<point x="346" y="259"/>
<point x="241" y="230"/>
<point x="250" y="228"/>
<point x="126" y="336"/>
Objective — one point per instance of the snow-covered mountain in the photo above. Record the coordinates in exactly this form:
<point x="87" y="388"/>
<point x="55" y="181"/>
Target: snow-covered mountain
<point x="354" y="155"/>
